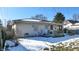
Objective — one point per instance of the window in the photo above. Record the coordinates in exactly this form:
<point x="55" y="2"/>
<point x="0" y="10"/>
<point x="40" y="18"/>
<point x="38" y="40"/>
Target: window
<point x="26" y="34"/>
<point x="51" y="32"/>
<point x="35" y="27"/>
<point x="46" y="26"/>
<point x="51" y="27"/>
<point x="60" y="27"/>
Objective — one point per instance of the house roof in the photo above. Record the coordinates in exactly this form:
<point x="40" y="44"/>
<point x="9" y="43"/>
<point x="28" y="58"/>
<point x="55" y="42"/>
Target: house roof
<point x="28" y="20"/>
<point x="70" y="21"/>
<point x="73" y="21"/>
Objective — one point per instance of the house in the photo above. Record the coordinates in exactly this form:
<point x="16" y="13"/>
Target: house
<point x="32" y="27"/>
<point x="71" y="24"/>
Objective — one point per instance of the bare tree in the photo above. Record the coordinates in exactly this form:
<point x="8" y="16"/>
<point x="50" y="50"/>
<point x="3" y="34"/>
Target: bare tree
<point x="76" y="17"/>
<point x="39" y="17"/>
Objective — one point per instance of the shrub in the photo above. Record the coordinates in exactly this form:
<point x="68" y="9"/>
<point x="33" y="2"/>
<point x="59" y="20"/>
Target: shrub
<point x="58" y="33"/>
<point x="71" y="32"/>
<point x="65" y="30"/>
<point x="46" y="49"/>
<point x="6" y="36"/>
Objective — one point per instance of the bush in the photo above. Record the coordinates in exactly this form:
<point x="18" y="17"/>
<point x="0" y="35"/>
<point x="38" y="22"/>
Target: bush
<point x="6" y="36"/>
<point x="46" y="49"/>
<point x="6" y="47"/>
<point x="71" y="32"/>
<point x="58" y="33"/>
<point x="65" y="30"/>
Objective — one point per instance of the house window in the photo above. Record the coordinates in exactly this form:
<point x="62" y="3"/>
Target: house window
<point x="35" y="27"/>
<point x="46" y="27"/>
<point x="51" y="27"/>
<point x="60" y="27"/>
<point x="26" y="34"/>
<point x="32" y="25"/>
<point x="50" y="32"/>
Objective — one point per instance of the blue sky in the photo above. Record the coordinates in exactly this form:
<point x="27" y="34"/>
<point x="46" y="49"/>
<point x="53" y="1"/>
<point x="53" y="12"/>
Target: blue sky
<point x="11" y="13"/>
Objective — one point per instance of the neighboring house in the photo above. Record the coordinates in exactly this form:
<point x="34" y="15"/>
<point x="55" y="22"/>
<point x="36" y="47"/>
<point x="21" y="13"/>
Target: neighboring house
<point x="71" y="24"/>
<point x="33" y="27"/>
<point x="66" y="24"/>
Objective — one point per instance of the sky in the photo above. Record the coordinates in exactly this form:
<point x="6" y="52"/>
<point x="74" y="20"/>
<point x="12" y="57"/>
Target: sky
<point x="12" y="13"/>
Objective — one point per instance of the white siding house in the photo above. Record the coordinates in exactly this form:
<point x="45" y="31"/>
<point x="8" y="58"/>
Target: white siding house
<point x="33" y="27"/>
<point x="71" y="25"/>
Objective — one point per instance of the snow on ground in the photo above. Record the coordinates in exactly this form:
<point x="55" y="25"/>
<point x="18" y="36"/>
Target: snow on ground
<point x="18" y="48"/>
<point x="38" y="43"/>
<point x="32" y="45"/>
<point x="10" y="43"/>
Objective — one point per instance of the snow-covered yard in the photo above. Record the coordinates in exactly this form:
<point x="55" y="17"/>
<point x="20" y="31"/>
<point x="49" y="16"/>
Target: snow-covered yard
<point x="38" y="43"/>
<point x="12" y="47"/>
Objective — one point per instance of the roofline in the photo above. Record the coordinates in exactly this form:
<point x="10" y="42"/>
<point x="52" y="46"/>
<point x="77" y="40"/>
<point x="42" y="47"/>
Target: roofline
<point x="27" y="18"/>
<point x="44" y="22"/>
<point x="49" y="23"/>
